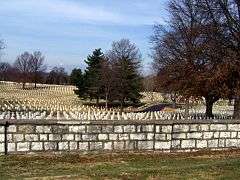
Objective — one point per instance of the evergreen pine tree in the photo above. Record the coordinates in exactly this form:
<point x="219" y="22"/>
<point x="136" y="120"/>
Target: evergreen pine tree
<point x="92" y="78"/>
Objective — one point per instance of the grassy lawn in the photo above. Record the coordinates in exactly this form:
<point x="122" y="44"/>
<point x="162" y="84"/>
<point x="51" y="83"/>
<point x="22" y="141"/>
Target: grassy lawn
<point x="205" y="165"/>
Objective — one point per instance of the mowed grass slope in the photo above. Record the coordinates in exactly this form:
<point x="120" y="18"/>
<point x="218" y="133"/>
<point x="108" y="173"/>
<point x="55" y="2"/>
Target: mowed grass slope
<point x="207" y="165"/>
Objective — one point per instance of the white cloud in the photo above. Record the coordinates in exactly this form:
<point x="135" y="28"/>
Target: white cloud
<point x="78" y="11"/>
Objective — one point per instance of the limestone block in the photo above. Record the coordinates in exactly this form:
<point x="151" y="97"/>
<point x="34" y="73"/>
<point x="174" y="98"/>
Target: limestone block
<point x="2" y="138"/>
<point x="158" y="129"/>
<point x="113" y="136"/>
<point x="130" y="145"/>
<point x="2" y="148"/>
<point x="17" y="137"/>
<point x="194" y="127"/>
<point x="150" y="136"/>
<point x="188" y="144"/>
<point x="202" y="144"/>
<point x="9" y="138"/>
<point x="139" y="128"/>
<point x="213" y="143"/>
<point x="169" y="137"/>
<point x="107" y="146"/>
<point x="23" y="146"/>
<point x="123" y="137"/>
<point x="160" y="136"/>
<point x="77" y="129"/>
<point x="37" y="146"/>
<point x="96" y="145"/>
<point x="233" y="134"/>
<point x="218" y="127"/>
<point x="138" y="136"/>
<point x="129" y="128"/>
<point x="221" y="143"/>
<point x="166" y="129"/>
<point x="176" y="144"/>
<point x="50" y="145"/>
<point x="12" y="128"/>
<point x="25" y="129"/>
<point x="43" y="137"/>
<point x="2" y="129"/>
<point x="103" y="137"/>
<point x="179" y="136"/>
<point x="145" y="145"/>
<point x="68" y="137"/>
<point x="180" y="128"/>
<point x="234" y="127"/>
<point x="54" y="137"/>
<point x="118" y="145"/>
<point x="78" y="137"/>
<point x="207" y="135"/>
<point x="31" y="137"/>
<point x="83" y="146"/>
<point x="89" y="137"/>
<point x="93" y="129"/>
<point x="233" y="143"/>
<point x="11" y="147"/>
<point x="216" y="134"/>
<point x="118" y="129"/>
<point x="147" y="128"/>
<point x="162" y="145"/>
<point x="194" y="135"/>
<point x="43" y="129"/>
<point x="225" y="134"/>
<point x="107" y="129"/>
<point x="73" y="145"/>
<point x="63" y="146"/>
<point x="204" y="127"/>
<point x="60" y="129"/>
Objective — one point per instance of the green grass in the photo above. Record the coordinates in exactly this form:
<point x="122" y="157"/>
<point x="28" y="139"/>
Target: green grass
<point x="214" y="165"/>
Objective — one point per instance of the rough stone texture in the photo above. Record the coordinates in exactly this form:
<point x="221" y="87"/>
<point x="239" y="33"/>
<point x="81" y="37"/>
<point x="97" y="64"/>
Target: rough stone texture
<point x="218" y="127"/>
<point x="2" y="138"/>
<point x="181" y="128"/>
<point x="145" y="145"/>
<point x="2" y="129"/>
<point x="87" y="137"/>
<point x="77" y="129"/>
<point x="162" y="145"/>
<point x="63" y="145"/>
<point x="37" y="146"/>
<point x="129" y="128"/>
<point x="23" y="146"/>
<point x="186" y="144"/>
<point x="1" y="147"/>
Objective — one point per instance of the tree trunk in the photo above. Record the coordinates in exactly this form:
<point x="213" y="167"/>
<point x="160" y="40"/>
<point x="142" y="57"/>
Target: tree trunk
<point x="106" y="100"/>
<point x="209" y="106"/>
<point x="236" y="114"/>
<point x="97" y="101"/>
<point x="186" y="113"/>
<point x="121" y="106"/>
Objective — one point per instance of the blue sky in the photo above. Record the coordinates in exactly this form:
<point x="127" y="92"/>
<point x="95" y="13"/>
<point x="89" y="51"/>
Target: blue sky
<point x="66" y="31"/>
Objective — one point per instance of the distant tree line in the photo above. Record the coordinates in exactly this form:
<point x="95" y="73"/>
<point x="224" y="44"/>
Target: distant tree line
<point x="30" y="68"/>
<point x="197" y="54"/>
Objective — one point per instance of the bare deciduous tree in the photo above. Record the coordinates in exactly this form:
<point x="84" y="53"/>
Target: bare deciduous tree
<point x="23" y="66"/>
<point x="37" y="66"/>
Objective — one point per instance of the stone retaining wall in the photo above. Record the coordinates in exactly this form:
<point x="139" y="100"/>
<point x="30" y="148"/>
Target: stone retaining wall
<point x="40" y="136"/>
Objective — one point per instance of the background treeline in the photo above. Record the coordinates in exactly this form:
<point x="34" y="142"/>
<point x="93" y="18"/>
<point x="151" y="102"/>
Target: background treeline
<point x="31" y="68"/>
